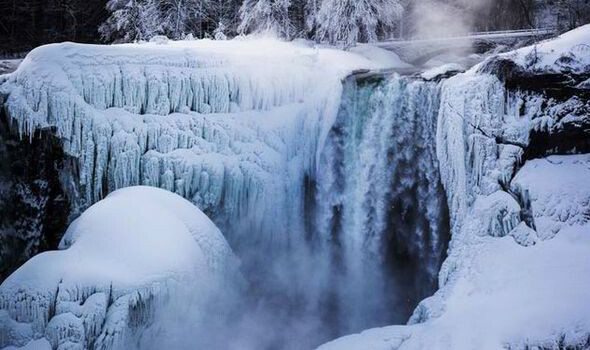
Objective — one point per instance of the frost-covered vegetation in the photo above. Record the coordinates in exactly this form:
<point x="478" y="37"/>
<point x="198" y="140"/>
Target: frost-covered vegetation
<point x="30" y="23"/>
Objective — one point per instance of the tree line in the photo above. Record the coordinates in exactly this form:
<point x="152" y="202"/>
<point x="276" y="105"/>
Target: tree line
<point x="25" y="24"/>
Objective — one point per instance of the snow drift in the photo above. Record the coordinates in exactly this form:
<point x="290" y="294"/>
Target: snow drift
<point x="117" y="263"/>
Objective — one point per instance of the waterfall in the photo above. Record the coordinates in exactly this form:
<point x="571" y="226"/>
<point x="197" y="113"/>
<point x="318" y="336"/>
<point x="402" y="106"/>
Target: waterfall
<point x="375" y="223"/>
<point x="379" y="200"/>
<point x="337" y="213"/>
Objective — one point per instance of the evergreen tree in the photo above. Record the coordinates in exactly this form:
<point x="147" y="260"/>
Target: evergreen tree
<point x="180" y="17"/>
<point x="131" y="20"/>
<point x="266" y="16"/>
<point x="352" y="21"/>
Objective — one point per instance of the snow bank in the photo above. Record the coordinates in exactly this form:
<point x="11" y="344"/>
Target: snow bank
<point x="518" y="271"/>
<point x="118" y="262"/>
<point x="385" y="59"/>
<point x="570" y="52"/>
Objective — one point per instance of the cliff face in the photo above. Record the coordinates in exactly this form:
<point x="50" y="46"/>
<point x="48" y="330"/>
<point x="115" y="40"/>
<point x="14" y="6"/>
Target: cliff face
<point x="221" y="124"/>
<point x="35" y="208"/>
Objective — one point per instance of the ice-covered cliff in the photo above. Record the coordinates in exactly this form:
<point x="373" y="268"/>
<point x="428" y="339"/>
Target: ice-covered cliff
<point x="232" y="126"/>
<point x="235" y="127"/>
<point x="337" y="200"/>
<point x="512" y="144"/>
<point x="121" y="260"/>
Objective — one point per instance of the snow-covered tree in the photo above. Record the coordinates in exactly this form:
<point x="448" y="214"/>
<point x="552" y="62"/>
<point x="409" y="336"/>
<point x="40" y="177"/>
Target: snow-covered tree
<point x="266" y="16"/>
<point x="180" y="17"/>
<point x="573" y="13"/>
<point x="219" y="33"/>
<point x="131" y="20"/>
<point x="351" y="21"/>
<point x="223" y="11"/>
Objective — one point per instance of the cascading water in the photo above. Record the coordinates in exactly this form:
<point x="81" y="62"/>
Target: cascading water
<point x="375" y="223"/>
<point x="380" y="203"/>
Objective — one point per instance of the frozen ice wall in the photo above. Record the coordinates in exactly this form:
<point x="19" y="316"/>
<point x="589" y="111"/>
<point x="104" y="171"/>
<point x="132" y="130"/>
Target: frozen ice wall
<point x="232" y="126"/>
<point x="237" y="128"/>
<point x="511" y="141"/>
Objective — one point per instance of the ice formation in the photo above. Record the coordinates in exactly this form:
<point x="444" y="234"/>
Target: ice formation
<point x="117" y="263"/>
<point x="232" y="126"/>
<point x="235" y="127"/>
<point x="265" y="152"/>
<point x="517" y="272"/>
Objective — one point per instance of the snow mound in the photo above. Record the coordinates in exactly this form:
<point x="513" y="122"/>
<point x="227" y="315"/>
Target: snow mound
<point x="118" y="262"/>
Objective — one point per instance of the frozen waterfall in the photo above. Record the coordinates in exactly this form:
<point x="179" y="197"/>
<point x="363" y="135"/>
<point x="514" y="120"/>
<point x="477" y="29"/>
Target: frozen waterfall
<point x="326" y="188"/>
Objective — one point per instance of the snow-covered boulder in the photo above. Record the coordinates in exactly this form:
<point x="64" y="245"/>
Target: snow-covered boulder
<point x="117" y="264"/>
<point x="559" y="191"/>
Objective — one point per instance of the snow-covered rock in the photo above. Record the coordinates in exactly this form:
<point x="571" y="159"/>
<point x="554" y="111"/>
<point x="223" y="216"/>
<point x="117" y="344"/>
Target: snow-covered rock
<point x="570" y="52"/>
<point x="117" y="264"/>
<point x="559" y="192"/>
<point x="442" y="71"/>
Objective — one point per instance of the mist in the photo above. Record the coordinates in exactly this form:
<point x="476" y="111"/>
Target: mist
<point x="431" y="19"/>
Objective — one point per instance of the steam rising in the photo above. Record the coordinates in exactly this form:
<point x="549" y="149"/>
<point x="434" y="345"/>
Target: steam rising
<point x="434" y="19"/>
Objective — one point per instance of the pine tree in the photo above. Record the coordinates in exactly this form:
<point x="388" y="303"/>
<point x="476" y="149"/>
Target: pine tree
<point x="266" y="16"/>
<point x="180" y="17"/>
<point x="351" y="21"/>
<point x="131" y="20"/>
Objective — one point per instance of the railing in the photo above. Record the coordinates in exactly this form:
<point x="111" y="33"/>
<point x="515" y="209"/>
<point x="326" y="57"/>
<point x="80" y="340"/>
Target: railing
<point x="475" y="36"/>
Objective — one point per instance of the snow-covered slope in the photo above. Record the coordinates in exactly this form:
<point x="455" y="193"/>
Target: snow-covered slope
<point x="518" y="271"/>
<point x="569" y="53"/>
<point x="119" y="261"/>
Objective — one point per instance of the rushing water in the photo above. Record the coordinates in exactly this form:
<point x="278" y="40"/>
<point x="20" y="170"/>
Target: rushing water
<point x="375" y="221"/>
